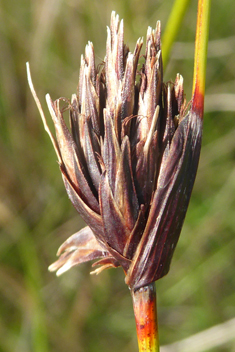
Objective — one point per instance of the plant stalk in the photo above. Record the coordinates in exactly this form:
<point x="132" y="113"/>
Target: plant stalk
<point x="173" y="26"/>
<point x="200" y="58"/>
<point x="145" y="310"/>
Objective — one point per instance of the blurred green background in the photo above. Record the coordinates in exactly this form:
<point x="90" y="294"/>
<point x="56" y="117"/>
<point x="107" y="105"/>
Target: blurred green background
<point x="78" y="312"/>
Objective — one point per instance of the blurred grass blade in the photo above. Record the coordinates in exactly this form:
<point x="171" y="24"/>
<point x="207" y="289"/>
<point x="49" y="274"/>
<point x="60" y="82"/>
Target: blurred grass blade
<point x="172" y="28"/>
<point x="218" y="335"/>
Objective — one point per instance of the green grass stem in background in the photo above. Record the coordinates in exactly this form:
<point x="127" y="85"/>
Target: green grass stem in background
<point x="172" y="28"/>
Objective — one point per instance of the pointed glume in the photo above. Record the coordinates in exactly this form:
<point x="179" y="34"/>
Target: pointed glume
<point x="129" y="160"/>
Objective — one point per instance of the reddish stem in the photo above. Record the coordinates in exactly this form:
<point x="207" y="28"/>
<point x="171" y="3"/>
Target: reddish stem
<point x="145" y="310"/>
<point x="201" y="43"/>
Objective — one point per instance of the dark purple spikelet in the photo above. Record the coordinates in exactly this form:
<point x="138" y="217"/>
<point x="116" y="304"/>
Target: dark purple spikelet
<point x="128" y="161"/>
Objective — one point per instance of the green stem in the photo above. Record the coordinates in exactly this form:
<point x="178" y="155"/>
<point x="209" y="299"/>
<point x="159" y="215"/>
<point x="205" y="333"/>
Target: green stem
<point x="172" y="28"/>
<point x="201" y="42"/>
<point x="145" y="310"/>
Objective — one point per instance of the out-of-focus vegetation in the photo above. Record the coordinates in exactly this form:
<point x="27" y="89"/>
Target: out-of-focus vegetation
<point x="79" y="312"/>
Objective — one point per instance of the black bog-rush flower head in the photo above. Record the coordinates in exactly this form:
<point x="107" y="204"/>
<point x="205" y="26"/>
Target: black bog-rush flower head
<point x="128" y="160"/>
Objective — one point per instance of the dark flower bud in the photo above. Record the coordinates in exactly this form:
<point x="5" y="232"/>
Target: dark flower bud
<point x="128" y="161"/>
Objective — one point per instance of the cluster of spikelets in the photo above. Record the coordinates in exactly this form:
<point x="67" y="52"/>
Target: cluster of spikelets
<point x="128" y="161"/>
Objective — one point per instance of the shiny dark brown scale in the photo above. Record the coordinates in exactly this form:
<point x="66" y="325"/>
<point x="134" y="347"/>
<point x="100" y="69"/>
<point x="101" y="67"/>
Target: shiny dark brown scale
<point x="128" y="161"/>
